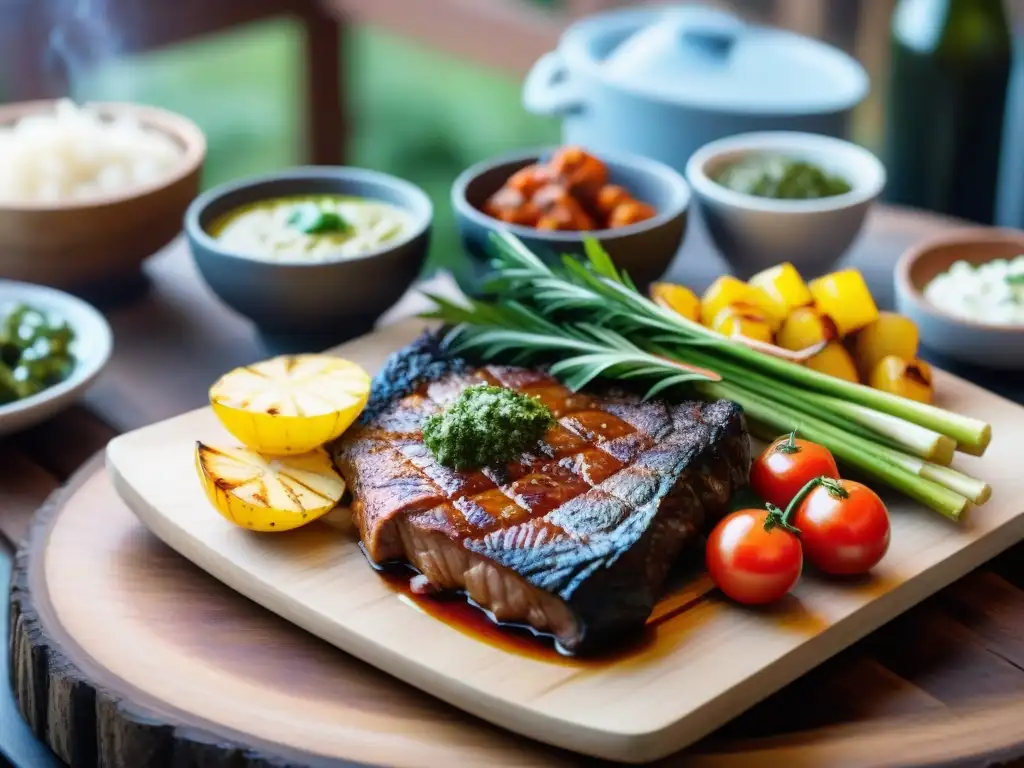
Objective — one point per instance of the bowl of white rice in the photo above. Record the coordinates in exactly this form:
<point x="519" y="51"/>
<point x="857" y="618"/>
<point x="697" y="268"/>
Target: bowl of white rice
<point x="87" y="192"/>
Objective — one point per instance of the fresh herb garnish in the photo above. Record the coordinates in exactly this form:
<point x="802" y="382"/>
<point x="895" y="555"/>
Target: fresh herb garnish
<point x="1015" y="279"/>
<point x="485" y="426"/>
<point x="311" y="219"/>
<point x="592" y="321"/>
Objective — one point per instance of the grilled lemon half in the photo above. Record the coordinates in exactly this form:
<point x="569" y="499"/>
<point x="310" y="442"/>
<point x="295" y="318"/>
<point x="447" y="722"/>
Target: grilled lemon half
<point x="268" y="493"/>
<point x="290" y="404"/>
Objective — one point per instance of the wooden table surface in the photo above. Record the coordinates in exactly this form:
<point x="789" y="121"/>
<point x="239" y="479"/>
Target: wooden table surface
<point x="173" y="342"/>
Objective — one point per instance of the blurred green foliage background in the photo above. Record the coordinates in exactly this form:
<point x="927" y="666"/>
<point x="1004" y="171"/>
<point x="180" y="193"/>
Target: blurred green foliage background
<point x="415" y="113"/>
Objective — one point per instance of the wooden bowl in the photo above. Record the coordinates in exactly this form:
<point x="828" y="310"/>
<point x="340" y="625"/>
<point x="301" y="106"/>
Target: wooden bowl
<point x="990" y="346"/>
<point x="81" y="244"/>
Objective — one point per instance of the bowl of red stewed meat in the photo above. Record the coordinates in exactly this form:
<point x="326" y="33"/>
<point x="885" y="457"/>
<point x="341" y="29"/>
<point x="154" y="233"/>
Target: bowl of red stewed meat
<point x="554" y="199"/>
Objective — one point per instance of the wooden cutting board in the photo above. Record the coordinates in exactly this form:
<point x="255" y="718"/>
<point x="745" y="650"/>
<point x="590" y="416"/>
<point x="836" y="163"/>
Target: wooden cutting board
<point x="705" y="665"/>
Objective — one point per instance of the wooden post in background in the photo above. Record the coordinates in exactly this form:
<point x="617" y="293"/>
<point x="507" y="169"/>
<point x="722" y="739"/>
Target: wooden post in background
<point x="806" y="17"/>
<point x="327" y="118"/>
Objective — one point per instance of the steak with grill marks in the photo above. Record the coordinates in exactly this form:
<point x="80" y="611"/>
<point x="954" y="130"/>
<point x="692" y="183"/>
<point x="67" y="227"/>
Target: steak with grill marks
<point x="574" y="539"/>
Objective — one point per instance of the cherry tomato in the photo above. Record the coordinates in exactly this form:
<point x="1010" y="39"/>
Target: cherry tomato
<point x="844" y="531"/>
<point x="748" y="563"/>
<point x="786" y="466"/>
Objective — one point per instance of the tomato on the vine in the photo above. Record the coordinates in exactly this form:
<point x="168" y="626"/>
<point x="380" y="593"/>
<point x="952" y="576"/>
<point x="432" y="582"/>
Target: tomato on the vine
<point x="750" y="562"/>
<point x="844" y="527"/>
<point x="786" y="466"/>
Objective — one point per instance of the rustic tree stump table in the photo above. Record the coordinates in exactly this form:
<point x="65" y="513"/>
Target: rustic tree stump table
<point x="124" y="654"/>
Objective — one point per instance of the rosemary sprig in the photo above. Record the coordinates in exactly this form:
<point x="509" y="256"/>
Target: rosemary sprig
<point x="583" y="288"/>
<point x="517" y="333"/>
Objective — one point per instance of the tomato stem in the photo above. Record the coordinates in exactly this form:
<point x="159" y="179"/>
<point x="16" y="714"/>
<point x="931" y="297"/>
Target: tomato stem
<point x="781" y="519"/>
<point x="790" y="445"/>
<point x="778" y="519"/>
<point x="834" y="488"/>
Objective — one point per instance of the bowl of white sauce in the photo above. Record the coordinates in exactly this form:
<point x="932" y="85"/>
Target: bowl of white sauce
<point x="965" y="291"/>
<point x="311" y="255"/>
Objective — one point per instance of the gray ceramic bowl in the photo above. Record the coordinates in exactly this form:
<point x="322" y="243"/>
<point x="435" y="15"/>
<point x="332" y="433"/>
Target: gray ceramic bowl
<point x="753" y="233"/>
<point x="643" y="250"/>
<point x="332" y="299"/>
<point x="991" y="346"/>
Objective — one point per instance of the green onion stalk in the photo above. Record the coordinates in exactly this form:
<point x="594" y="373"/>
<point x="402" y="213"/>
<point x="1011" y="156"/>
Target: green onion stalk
<point x="595" y="321"/>
<point x="866" y="422"/>
<point x="901" y="471"/>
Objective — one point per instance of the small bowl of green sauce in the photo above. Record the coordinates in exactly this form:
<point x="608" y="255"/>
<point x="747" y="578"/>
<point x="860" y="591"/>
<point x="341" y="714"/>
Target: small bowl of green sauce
<point x="777" y="196"/>
<point x="52" y="347"/>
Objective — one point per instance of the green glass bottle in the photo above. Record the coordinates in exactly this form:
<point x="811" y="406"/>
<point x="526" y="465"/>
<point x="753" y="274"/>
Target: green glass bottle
<point x="951" y="62"/>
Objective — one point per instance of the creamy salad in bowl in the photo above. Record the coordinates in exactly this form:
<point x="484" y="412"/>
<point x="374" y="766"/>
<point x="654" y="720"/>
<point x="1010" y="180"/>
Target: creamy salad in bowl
<point x="990" y="293"/>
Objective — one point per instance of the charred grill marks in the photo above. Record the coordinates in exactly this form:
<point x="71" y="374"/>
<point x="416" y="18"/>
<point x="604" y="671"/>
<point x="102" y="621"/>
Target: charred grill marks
<point x="574" y="539"/>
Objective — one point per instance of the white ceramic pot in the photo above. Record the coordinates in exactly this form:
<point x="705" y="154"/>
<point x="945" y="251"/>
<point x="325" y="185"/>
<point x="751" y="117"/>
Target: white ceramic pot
<point x="663" y="81"/>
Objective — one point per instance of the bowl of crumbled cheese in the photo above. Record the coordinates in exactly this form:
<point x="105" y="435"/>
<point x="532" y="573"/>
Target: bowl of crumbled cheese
<point x="965" y="291"/>
<point x="87" y="192"/>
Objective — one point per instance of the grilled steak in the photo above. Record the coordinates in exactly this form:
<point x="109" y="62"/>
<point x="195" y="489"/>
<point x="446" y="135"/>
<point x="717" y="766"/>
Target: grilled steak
<point x="574" y="539"/>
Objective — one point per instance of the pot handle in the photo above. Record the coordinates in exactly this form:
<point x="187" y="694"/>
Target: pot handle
<point x="713" y="36"/>
<point x="548" y="89"/>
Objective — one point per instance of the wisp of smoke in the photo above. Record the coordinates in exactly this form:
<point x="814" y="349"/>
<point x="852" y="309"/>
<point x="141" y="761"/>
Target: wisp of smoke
<point x="83" y="35"/>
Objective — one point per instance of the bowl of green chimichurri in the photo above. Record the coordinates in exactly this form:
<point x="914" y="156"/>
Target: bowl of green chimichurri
<point x="779" y="177"/>
<point x="52" y="347"/>
<point x="766" y="198"/>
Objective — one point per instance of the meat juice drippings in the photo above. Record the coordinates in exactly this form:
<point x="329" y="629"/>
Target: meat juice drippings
<point x="684" y="591"/>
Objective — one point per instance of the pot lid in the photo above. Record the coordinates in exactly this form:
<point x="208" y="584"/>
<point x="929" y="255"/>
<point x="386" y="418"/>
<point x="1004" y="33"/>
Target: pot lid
<point x="707" y="58"/>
